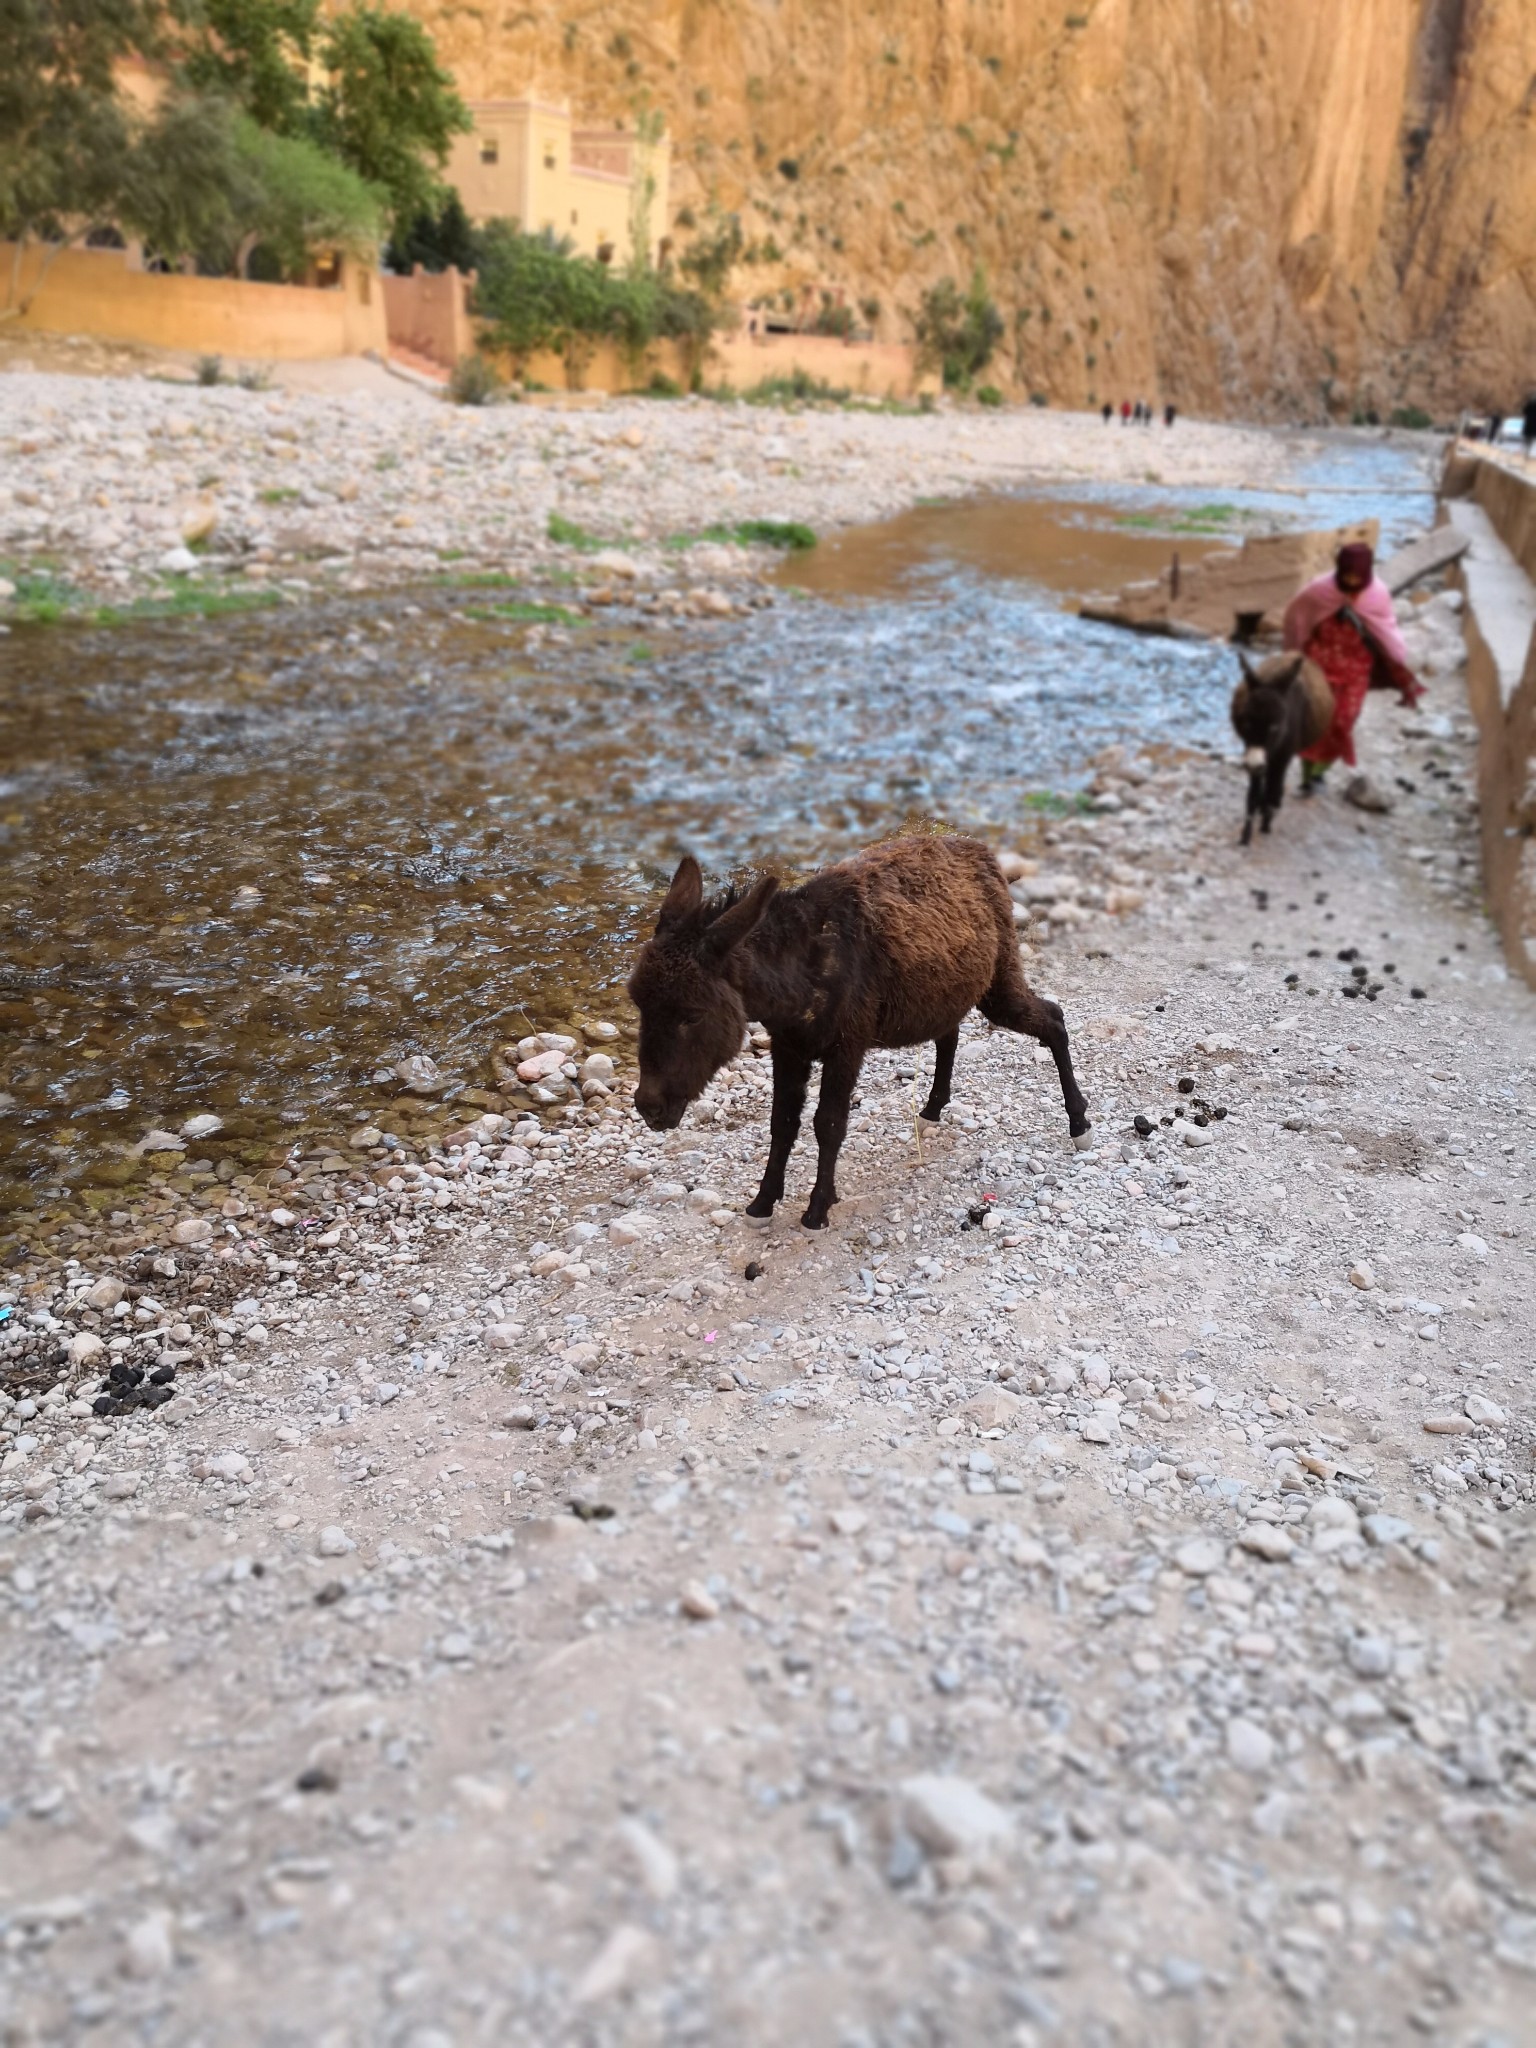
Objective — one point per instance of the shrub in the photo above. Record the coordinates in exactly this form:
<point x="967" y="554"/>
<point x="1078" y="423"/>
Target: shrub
<point x="958" y="334"/>
<point x="210" y="369"/>
<point x="1413" y="417"/>
<point x="1038" y="398"/>
<point x="473" y="381"/>
<point x="989" y="395"/>
<point x="662" y="386"/>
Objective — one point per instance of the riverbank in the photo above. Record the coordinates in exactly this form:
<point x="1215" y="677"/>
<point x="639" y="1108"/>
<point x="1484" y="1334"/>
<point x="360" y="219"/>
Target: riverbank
<point x="129" y="492"/>
<point x="521" y="1625"/>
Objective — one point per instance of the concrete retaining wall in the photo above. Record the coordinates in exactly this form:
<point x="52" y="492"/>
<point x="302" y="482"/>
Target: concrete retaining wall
<point x="98" y="291"/>
<point x="1495" y="501"/>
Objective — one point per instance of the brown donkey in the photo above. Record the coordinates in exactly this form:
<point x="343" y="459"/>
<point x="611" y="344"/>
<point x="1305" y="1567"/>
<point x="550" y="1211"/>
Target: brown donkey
<point x="886" y="949"/>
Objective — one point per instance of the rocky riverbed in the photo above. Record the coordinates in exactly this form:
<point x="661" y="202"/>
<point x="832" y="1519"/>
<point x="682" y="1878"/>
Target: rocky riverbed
<point x="123" y="491"/>
<point x="1080" y="1597"/>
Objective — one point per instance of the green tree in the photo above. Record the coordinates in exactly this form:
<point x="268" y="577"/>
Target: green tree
<point x="436" y="240"/>
<point x="713" y="254"/>
<point x="388" y="108"/>
<point x="255" y="52"/>
<point x="183" y="185"/>
<point x="65" y="132"/>
<point x="293" y="196"/>
<point x="958" y="334"/>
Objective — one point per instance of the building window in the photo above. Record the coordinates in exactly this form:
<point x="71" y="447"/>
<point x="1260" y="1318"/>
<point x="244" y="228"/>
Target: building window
<point x="549" y="159"/>
<point x="490" y="150"/>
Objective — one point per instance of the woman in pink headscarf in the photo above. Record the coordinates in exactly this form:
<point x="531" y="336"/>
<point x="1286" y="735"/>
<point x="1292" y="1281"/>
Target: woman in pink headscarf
<point x="1346" y="624"/>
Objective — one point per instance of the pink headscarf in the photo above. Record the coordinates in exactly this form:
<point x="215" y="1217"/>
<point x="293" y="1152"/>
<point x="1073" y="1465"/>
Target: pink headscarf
<point x="1320" y="599"/>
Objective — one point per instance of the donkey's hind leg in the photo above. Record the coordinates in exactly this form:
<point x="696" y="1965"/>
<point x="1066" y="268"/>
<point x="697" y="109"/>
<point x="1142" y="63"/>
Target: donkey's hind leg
<point x="1013" y="1004"/>
<point x="943" y="1073"/>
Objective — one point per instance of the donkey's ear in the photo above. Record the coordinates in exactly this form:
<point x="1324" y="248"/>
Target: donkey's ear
<point x="1247" y="668"/>
<point x="685" y="894"/>
<point x="737" y="923"/>
<point x="1298" y="662"/>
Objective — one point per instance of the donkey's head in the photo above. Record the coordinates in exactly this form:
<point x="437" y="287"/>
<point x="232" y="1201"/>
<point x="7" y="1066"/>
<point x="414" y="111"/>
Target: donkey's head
<point x="691" y="1017"/>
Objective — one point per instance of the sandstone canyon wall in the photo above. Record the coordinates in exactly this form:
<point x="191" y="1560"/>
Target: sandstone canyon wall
<point x="1268" y="207"/>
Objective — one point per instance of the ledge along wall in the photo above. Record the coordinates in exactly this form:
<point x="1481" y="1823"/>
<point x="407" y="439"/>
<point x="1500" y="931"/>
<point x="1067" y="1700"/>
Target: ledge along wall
<point x="99" y="292"/>
<point x="1495" y="502"/>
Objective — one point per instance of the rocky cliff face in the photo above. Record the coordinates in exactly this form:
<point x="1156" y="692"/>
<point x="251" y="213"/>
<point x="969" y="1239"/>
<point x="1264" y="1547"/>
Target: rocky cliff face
<point x="1272" y="207"/>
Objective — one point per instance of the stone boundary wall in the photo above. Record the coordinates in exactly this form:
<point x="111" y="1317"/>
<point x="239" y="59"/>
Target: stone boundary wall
<point x="100" y="292"/>
<point x="1506" y="717"/>
<point x="427" y="313"/>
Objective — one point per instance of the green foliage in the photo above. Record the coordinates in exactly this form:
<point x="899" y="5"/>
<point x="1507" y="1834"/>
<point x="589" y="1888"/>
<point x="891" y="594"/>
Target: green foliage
<point x="1413" y="417"/>
<point x="566" y="533"/>
<point x="473" y="381"/>
<point x="255" y="53"/>
<point x="65" y="133"/>
<point x="523" y="612"/>
<point x="45" y="599"/>
<point x="536" y="294"/>
<point x="746" y="533"/>
<point x="294" y="197"/>
<point x="388" y="108"/>
<point x="798" y="388"/>
<point x="210" y="370"/>
<point x="184" y="186"/>
<point x="437" y="240"/>
<point x="712" y="255"/>
<point x="833" y="319"/>
<point x="958" y="334"/>
<point x="988" y="394"/>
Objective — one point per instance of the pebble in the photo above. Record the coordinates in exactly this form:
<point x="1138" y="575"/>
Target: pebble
<point x="698" y="1603"/>
<point x="1201" y="1556"/>
<point x="1250" y="1747"/>
<point x="1481" y="1410"/>
<point x="1267" y="1540"/>
<point x="1380" y="1530"/>
<point x="147" y="1949"/>
<point x="655" y="1863"/>
<point x="950" y="1816"/>
<point x="333" y="1541"/>
<point x="1448" y="1425"/>
<point x="1371" y="1656"/>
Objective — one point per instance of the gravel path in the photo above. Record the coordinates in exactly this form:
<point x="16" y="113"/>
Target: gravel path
<point x="1109" y="1622"/>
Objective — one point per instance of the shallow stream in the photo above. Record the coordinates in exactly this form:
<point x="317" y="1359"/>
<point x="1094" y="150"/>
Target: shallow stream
<point x="249" y="864"/>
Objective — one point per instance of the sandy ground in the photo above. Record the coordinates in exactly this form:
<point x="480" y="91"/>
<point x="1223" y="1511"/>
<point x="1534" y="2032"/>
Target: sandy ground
<point x="1108" y="1624"/>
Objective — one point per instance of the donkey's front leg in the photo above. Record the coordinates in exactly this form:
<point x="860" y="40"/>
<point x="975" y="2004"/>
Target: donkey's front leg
<point x="839" y="1071"/>
<point x="791" y="1078"/>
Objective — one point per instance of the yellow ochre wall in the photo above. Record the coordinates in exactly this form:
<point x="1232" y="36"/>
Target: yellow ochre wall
<point x="95" y="291"/>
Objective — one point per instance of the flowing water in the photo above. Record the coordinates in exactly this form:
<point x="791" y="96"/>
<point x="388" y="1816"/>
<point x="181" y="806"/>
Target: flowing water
<point x="248" y="865"/>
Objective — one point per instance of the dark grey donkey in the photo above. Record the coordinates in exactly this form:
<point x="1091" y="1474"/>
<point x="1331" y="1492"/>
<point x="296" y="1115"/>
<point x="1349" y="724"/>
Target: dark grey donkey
<point x="1279" y="709"/>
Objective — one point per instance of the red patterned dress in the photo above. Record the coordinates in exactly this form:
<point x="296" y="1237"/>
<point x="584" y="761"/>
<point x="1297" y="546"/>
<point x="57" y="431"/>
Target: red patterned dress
<point x="1350" y="663"/>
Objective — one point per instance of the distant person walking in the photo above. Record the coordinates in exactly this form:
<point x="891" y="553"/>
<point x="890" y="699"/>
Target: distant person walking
<point x="1125" y="412"/>
<point x="1345" y="623"/>
<point x="1109" y="412"/>
<point x="1170" y="414"/>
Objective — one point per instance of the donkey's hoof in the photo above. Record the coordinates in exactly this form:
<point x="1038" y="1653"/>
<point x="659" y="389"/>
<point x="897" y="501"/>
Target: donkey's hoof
<point x="934" y="1123"/>
<point x="1083" y="1140"/>
<point x="810" y="1222"/>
